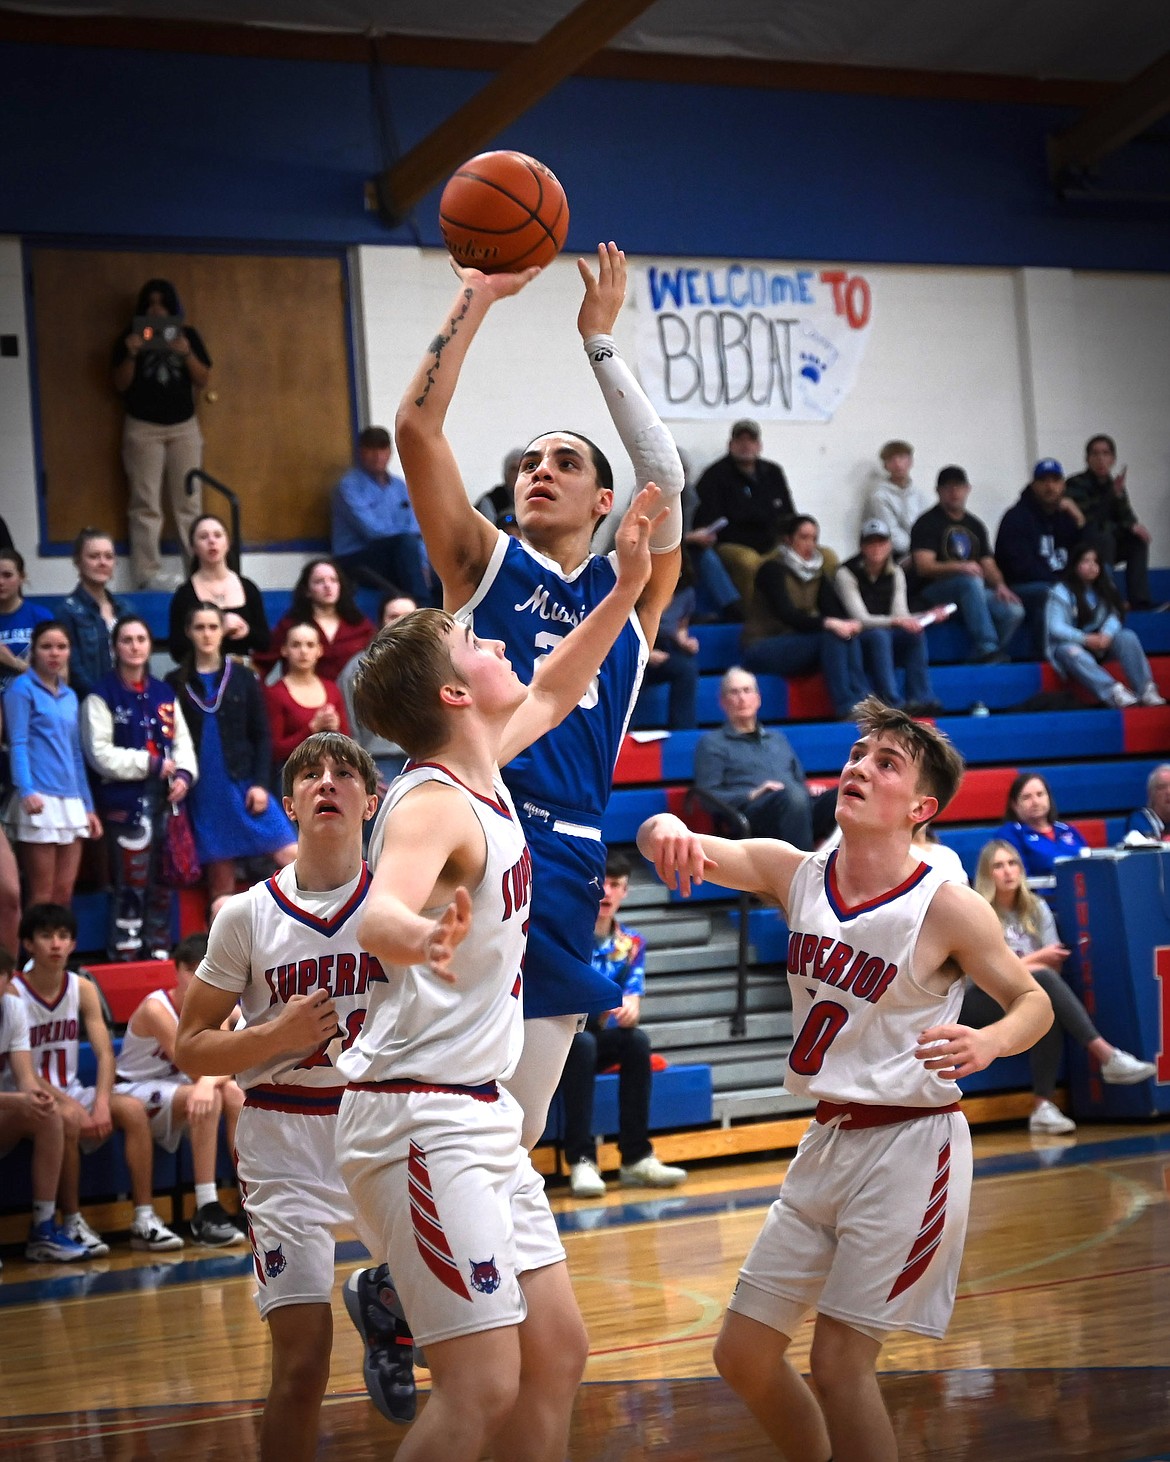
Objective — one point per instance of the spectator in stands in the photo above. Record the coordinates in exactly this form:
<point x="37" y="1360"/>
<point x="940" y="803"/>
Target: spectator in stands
<point x="673" y="656"/>
<point x="1033" y="830"/>
<point x="615" y="1038"/>
<point x="27" y="1109"/>
<point x="756" y="771"/>
<point x="501" y="500"/>
<point x="212" y="581"/>
<point x="322" y="595"/>
<point x="716" y="597"/>
<point x="18" y="618"/>
<point x="388" y="756"/>
<point x="952" y="563"/>
<point x="872" y="590"/>
<point x="303" y="701"/>
<point x="1030" y="932"/>
<point x="796" y="623"/>
<point x="50" y="809"/>
<point x="174" y="1102"/>
<point x="5" y="536"/>
<point x="91" y="611"/>
<point x="1034" y="541"/>
<point x="893" y="497"/>
<point x="9" y="890"/>
<point x="157" y="370"/>
<point x="1085" y="632"/>
<point x="137" y="742"/>
<point x="232" y="814"/>
<point x="1153" y="820"/>
<point x="1109" y="517"/>
<point x="376" y="538"/>
<point x="750" y="495"/>
<point x="58" y="1004"/>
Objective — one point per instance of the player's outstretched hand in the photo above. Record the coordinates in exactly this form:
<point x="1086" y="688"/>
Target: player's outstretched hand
<point x="309" y="1021"/>
<point x="605" y="292"/>
<point x="447" y="933"/>
<point x="496" y="286"/>
<point x="676" y="852"/>
<point x="632" y="539"/>
<point x="955" y="1050"/>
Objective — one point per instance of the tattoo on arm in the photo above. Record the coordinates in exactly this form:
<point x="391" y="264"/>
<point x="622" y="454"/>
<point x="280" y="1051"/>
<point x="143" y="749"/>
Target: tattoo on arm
<point x="440" y="343"/>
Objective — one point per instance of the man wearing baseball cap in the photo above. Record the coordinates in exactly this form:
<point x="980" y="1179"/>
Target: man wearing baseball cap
<point x="1034" y="541"/>
<point x="753" y="498"/>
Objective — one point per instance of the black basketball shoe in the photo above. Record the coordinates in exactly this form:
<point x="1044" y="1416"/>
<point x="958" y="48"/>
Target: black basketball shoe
<point x="388" y="1367"/>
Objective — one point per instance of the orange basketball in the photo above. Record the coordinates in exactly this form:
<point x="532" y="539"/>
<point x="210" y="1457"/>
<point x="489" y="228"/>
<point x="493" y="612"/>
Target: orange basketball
<point x="502" y="212"/>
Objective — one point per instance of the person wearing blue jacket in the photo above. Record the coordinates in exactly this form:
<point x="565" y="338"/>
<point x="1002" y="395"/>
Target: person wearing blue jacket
<point x="1085" y="631"/>
<point x="91" y="611"/>
<point x="1032" y="828"/>
<point x="50" y="808"/>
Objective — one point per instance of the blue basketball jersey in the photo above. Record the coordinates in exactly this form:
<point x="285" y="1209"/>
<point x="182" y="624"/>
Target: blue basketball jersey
<point x="525" y="600"/>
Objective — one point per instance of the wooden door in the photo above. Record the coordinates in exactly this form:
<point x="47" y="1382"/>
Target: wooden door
<point x="277" y="411"/>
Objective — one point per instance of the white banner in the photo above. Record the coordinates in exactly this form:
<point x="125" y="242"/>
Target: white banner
<point x="760" y="340"/>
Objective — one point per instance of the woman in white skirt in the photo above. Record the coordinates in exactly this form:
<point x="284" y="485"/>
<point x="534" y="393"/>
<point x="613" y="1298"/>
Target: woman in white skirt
<point x="50" y="808"/>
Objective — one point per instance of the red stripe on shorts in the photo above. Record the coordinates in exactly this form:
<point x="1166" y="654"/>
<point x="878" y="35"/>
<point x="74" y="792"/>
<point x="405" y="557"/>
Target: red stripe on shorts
<point x="934" y="1219"/>
<point x="429" y="1238"/>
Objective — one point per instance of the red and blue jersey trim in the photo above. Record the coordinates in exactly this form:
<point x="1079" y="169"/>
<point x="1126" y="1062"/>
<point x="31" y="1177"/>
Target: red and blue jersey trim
<point x="309" y="1101"/>
<point x="328" y="927"/>
<point x="842" y="910"/>
<point x="40" y="999"/>
<point x="488" y="1092"/>
<point x="471" y="792"/>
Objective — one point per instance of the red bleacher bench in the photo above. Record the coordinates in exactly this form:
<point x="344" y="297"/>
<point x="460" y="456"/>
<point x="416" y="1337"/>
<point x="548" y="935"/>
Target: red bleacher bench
<point x="126" y="986"/>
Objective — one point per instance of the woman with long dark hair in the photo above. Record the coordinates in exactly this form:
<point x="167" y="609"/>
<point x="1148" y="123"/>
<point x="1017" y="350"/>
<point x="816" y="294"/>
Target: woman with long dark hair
<point x="213" y="581"/>
<point x="18" y="617"/>
<point x="1084" y="620"/>
<point x="137" y="742"/>
<point x="322" y="595"/>
<point x="51" y="808"/>
<point x="231" y="810"/>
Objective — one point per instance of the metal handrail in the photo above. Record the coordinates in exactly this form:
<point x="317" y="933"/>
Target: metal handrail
<point x="737" y="826"/>
<point x="198" y="475"/>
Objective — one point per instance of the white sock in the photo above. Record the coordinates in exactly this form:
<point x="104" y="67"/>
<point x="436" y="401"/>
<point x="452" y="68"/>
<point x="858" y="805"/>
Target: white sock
<point x="43" y="1212"/>
<point x="143" y="1213"/>
<point x="205" y="1193"/>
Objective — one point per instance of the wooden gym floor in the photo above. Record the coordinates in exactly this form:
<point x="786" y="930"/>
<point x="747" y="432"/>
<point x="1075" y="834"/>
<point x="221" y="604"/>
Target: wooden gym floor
<point x="1059" y="1346"/>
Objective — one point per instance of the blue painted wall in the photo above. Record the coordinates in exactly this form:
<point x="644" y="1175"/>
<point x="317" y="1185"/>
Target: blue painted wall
<point x="142" y="145"/>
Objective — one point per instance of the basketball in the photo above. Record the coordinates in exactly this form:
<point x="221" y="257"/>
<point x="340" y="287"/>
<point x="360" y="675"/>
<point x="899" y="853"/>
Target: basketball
<point x="502" y="212"/>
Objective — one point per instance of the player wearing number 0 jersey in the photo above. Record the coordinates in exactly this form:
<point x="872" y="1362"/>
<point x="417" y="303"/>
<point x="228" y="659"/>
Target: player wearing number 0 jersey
<point x="868" y="1229"/>
<point x="529" y="594"/>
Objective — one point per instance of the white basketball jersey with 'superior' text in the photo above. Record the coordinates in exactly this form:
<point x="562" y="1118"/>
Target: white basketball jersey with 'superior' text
<point x="468" y="1032"/>
<point x="141" y="1058"/>
<point x="54" y="1030"/>
<point x="278" y="940"/>
<point x="857" y="1010"/>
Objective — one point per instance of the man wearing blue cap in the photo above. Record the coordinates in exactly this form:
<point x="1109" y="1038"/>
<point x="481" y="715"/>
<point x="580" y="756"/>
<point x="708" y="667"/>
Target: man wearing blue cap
<point x="1034" y="541"/>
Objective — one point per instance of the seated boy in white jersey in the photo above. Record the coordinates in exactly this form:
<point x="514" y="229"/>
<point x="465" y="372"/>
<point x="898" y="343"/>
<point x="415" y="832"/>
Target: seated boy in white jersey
<point x="59" y="1004"/>
<point x="287" y="951"/>
<point x="28" y="1110"/>
<point x="175" y="1103"/>
<point x="869" y="1226"/>
<point x="429" y="1140"/>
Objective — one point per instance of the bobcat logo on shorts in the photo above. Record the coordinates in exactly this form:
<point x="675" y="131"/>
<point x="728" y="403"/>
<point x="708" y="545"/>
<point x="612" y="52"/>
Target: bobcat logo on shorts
<point x="274" y="1261"/>
<point x="485" y="1277"/>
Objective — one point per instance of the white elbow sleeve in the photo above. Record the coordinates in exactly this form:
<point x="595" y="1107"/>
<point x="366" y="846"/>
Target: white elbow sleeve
<point x="650" y="446"/>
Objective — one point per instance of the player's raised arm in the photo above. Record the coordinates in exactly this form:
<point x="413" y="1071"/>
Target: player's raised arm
<point x="459" y="541"/>
<point x="650" y="446"/>
<point x="433" y="851"/>
<point x="682" y="858"/>
<point x="962" y="927"/>
<point x="563" y="677"/>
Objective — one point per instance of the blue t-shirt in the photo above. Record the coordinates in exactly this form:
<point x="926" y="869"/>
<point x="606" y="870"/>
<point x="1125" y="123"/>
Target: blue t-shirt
<point x="1038" y="853"/>
<point x="525" y="600"/>
<point x="16" y="635"/>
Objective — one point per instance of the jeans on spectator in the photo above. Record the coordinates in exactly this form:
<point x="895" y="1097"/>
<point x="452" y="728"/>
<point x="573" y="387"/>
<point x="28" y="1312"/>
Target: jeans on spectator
<point x="882" y="650"/>
<point x="1077" y="663"/>
<point x="1120" y="545"/>
<point x="715" y="589"/>
<point x="593" y="1050"/>
<point x="800" y="654"/>
<point x="1035" y="597"/>
<point x="989" y="621"/>
<point x="1072" y="1019"/>
<point x="786" y="815"/>
<point x="680" y="671"/>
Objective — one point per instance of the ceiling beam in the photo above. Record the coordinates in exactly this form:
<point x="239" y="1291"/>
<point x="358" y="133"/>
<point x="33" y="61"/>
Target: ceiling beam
<point x="530" y="75"/>
<point x="1112" y="123"/>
